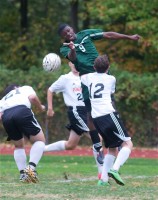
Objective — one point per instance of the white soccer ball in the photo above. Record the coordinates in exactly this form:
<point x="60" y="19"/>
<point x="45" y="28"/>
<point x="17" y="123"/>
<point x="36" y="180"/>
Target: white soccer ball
<point x="51" y="62"/>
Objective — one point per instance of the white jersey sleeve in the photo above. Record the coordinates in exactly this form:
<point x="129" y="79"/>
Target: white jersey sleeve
<point x="58" y="85"/>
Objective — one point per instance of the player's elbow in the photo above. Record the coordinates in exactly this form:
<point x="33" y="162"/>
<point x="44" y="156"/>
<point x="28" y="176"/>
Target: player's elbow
<point x="32" y="99"/>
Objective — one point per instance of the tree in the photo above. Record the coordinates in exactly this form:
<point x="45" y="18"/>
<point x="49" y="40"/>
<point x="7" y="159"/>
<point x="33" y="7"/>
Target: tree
<point x="24" y="24"/>
<point x="40" y="37"/>
<point x="74" y="14"/>
<point x="130" y="16"/>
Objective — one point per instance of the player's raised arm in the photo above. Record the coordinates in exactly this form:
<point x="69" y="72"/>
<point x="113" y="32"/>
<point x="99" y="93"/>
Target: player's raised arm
<point x="115" y="35"/>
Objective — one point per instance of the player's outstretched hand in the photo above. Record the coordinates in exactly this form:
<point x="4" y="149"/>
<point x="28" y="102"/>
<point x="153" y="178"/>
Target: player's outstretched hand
<point x="43" y="108"/>
<point x="135" y="37"/>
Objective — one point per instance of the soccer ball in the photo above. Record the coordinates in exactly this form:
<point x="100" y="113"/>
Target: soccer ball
<point x="51" y="62"/>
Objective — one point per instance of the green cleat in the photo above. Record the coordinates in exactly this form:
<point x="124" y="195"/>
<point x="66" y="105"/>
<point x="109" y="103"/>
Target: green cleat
<point x="101" y="183"/>
<point x="115" y="175"/>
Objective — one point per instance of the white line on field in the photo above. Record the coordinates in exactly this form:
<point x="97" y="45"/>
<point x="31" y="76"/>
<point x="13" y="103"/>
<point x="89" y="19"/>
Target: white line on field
<point x="85" y="179"/>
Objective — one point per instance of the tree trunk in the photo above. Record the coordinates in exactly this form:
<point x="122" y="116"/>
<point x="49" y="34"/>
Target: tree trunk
<point x="23" y="13"/>
<point x="24" y="25"/>
<point x="74" y="15"/>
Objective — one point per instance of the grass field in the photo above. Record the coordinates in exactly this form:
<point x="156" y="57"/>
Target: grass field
<point x="75" y="178"/>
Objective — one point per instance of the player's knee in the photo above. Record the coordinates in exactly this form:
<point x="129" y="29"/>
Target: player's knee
<point x="70" y="146"/>
<point x="128" y="144"/>
<point x="39" y="137"/>
<point x="112" y="151"/>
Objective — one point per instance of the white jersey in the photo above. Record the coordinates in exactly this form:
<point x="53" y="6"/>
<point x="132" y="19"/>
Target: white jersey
<point x="18" y="96"/>
<point x="70" y="86"/>
<point x="100" y="86"/>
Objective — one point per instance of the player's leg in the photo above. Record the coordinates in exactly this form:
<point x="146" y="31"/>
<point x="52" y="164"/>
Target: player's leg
<point x="103" y="125"/>
<point x="55" y="146"/>
<point x="107" y="165"/>
<point x="36" y="153"/>
<point x="21" y="159"/>
<point x="97" y="145"/>
<point x="62" y="145"/>
<point x="15" y="136"/>
<point x="73" y="140"/>
<point x="29" y="125"/>
<point x="123" y="154"/>
<point x="118" y="134"/>
<point x="95" y="137"/>
<point x="77" y="126"/>
<point x="95" y="154"/>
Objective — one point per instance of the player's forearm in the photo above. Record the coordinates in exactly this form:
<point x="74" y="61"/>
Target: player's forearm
<point x="50" y="100"/>
<point x="35" y="100"/>
<point x="72" y="54"/>
<point x="114" y="35"/>
<point x="50" y="110"/>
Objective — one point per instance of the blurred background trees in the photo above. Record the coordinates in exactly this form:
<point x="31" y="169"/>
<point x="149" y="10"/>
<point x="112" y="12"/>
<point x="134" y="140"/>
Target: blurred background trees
<point x="28" y="31"/>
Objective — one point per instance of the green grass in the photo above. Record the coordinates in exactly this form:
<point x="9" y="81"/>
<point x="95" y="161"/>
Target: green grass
<point x="75" y="178"/>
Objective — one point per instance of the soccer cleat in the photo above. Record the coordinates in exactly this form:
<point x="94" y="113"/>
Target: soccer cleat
<point x="24" y="178"/>
<point x="32" y="174"/>
<point x="101" y="183"/>
<point x="100" y="157"/>
<point x="115" y="175"/>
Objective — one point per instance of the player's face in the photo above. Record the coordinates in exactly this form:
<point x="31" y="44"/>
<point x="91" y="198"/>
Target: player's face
<point x="68" y="34"/>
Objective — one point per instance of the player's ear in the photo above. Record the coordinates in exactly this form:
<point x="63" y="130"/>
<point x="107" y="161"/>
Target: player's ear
<point x="108" y="69"/>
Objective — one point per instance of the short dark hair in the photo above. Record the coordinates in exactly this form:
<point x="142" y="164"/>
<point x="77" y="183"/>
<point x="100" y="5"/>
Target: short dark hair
<point x="101" y="63"/>
<point x="10" y="88"/>
<point x="61" y="27"/>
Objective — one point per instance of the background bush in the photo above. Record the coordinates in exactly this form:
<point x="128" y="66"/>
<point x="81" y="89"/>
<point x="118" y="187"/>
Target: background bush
<point x="136" y="100"/>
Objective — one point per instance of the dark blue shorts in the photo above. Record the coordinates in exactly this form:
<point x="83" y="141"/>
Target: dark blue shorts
<point x="19" y="121"/>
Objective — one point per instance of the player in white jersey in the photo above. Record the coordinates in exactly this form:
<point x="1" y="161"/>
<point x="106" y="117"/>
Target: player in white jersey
<point x="106" y="119"/>
<point x="70" y="86"/>
<point x="19" y="122"/>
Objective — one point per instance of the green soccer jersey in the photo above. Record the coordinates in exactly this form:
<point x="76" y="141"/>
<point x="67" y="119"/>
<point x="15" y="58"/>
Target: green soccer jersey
<point x="85" y="50"/>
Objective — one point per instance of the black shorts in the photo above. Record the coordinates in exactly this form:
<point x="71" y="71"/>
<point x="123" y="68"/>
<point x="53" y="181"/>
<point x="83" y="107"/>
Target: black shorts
<point x="19" y="121"/>
<point x="78" y="119"/>
<point x="111" y="129"/>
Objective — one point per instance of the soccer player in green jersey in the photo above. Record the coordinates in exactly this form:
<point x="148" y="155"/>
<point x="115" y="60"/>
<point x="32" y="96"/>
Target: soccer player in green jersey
<point x="79" y="48"/>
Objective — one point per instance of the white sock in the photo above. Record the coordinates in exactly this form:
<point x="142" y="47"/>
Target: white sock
<point x="20" y="158"/>
<point x="99" y="166"/>
<point x="56" y="146"/>
<point x="121" y="158"/>
<point x="108" y="163"/>
<point x="36" y="152"/>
